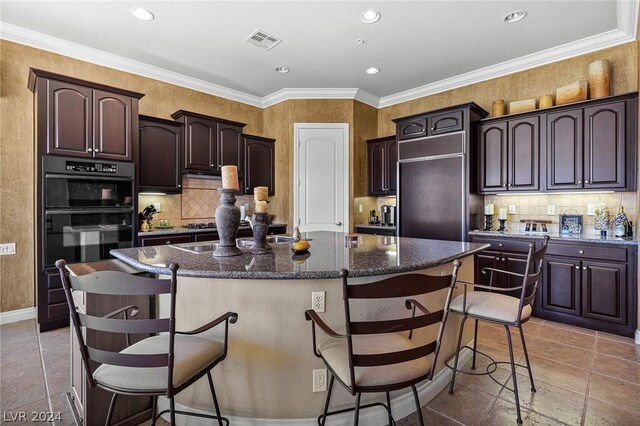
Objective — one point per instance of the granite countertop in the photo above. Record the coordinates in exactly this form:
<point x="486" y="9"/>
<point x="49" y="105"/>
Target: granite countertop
<point x="578" y="238"/>
<point x="183" y="230"/>
<point x="372" y="255"/>
<point x="376" y="226"/>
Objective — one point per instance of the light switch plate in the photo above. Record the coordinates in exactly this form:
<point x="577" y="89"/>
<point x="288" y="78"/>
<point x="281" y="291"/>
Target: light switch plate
<point x="551" y="210"/>
<point x="8" y="248"/>
<point x="591" y="209"/>
<point x="158" y="207"/>
<point x="512" y="209"/>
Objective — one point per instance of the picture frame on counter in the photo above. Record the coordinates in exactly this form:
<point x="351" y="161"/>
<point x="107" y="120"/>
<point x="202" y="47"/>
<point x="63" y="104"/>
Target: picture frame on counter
<point x="570" y="223"/>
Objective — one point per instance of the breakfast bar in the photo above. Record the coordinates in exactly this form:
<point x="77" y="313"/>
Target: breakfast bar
<point x="267" y="377"/>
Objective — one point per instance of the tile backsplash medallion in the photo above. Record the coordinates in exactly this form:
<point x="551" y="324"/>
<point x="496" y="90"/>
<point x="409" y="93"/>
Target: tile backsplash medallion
<point x="535" y="207"/>
<point x="197" y="203"/>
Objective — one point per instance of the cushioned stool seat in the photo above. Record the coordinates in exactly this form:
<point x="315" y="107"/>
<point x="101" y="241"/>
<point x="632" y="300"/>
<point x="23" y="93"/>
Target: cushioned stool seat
<point x="494" y="306"/>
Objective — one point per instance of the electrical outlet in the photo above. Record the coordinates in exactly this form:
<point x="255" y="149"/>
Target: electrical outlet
<point x="317" y="301"/>
<point x="359" y="208"/>
<point x="158" y="207"/>
<point x="591" y="209"/>
<point x="10" y="248"/>
<point x="551" y="210"/>
<point x="320" y="380"/>
<point x="512" y="209"/>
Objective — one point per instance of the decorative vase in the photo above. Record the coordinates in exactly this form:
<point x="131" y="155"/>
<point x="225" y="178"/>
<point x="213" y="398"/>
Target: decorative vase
<point x="227" y="222"/>
<point x="601" y="219"/>
<point x="600" y="79"/>
<point x="260" y="223"/>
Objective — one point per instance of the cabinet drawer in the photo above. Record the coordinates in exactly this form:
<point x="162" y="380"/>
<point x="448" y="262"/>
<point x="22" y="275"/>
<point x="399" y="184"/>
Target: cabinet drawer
<point x="56" y="296"/>
<point x="513" y="245"/>
<point x="598" y="252"/>
<point x="54" y="281"/>
<point x="57" y="310"/>
<point x="166" y="239"/>
<point x="446" y="122"/>
<point x="205" y="236"/>
<point x="412" y="128"/>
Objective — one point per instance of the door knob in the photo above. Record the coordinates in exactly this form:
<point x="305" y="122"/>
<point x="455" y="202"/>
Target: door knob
<point x="338" y="223"/>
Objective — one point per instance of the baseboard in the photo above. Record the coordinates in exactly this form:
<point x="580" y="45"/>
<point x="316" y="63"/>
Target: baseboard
<point x="637" y="337"/>
<point x="401" y="406"/>
<point x="17" y="315"/>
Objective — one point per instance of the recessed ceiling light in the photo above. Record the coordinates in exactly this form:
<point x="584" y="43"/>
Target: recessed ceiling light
<point x="515" y="16"/>
<point x="370" y="16"/>
<point x="373" y="70"/>
<point x="282" y="70"/>
<point x="142" y="13"/>
<point x="360" y="41"/>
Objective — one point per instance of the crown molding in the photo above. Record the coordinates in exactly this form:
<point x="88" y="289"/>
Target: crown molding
<point x="565" y="51"/>
<point x="52" y="44"/>
<point x="627" y="18"/>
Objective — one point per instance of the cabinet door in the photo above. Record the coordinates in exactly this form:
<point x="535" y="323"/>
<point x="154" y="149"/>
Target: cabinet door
<point x="446" y="122"/>
<point x="493" y="157"/>
<point x="259" y="164"/>
<point x="229" y="147"/>
<point x="524" y="157"/>
<point x="513" y="262"/>
<point x="604" y="291"/>
<point x="412" y="128"/>
<point x="564" y="150"/>
<point x="160" y="148"/>
<point x="69" y="119"/>
<point x="605" y="146"/>
<point x="392" y="166"/>
<point x="376" y="152"/>
<point x="487" y="259"/>
<point x="199" y="145"/>
<point x="112" y="126"/>
<point x="561" y="285"/>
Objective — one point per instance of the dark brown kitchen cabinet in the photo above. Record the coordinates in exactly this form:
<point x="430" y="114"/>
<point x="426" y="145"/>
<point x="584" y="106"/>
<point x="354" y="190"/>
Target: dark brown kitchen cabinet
<point x="434" y="123"/>
<point x="259" y="163"/>
<point x="587" y="285"/>
<point x="412" y="128"/>
<point x="83" y="119"/>
<point x="382" y="158"/>
<point x="210" y="143"/>
<point x="511" y="262"/>
<point x="509" y="155"/>
<point x="588" y="148"/>
<point x="160" y="240"/>
<point x="160" y="152"/>
<point x="446" y="122"/>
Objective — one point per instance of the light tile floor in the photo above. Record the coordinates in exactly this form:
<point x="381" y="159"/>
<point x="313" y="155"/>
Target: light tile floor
<point x="583" y="377"/>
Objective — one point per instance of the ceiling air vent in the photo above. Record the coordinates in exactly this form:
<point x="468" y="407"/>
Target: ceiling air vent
<point x="263" y="40"/>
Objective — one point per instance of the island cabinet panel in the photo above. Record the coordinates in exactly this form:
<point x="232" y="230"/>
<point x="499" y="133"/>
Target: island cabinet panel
<point x="493" y="157"/>
<point x="112" y="132"/>
<point x="200" y="145"/>
<point x="605" y="146"/>
<point x="524" y="157"/>
<point x="80" y="118"/>
<point x="69" y="121"/>
<point x="259" y="163"/>
<point x="382" y="159"/>
<point x="564" y="150"/>
<point x="230" y="150"/>
<point x="590" y="285"/>
<point x="160" y="155"/>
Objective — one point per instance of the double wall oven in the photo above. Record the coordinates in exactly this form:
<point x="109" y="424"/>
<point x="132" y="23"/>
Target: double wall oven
<point x="87" y="209"/>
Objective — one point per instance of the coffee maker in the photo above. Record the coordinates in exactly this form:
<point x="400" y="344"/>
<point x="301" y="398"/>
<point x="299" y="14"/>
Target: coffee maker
<point x="388" y="215"/>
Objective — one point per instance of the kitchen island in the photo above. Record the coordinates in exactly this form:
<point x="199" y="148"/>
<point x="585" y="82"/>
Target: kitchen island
<point x="267" y="376"/>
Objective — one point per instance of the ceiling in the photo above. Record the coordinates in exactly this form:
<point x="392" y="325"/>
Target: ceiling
<point x="421" y="47"/>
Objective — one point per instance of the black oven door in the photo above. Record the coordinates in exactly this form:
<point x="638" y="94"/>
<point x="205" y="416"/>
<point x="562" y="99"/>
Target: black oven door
<point x="62" y="191"/>
<point x="86" y="235"/>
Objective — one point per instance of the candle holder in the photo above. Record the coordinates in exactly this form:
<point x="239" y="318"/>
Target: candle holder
<point x="488" y="222"/>
<point x="227" y="222"/>
<point x="502" y="223"/>
<point x="260" y="226"/>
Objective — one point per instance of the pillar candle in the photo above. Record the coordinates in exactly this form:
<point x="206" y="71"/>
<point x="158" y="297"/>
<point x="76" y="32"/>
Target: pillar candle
<point x="502" y="214"/>
<point x="261" y="207"/>
<point x="488" y="209"/>
<point x="230" y="177"/>
<point x="260" y="193"/>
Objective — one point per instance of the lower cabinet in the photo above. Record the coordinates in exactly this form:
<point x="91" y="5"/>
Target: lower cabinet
<point x="190" y="237"/>
<point x="587" y="285"/>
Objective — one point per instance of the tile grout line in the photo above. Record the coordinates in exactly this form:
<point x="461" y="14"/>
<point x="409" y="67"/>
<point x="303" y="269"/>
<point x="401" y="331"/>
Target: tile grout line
<point x="44" y="373"/>
<point x="586" y="399"/>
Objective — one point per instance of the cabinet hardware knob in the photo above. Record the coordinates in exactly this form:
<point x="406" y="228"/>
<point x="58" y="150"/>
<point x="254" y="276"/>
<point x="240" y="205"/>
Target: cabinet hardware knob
<point x="581" y="251"/>
<point x="500" y="244"/>
<point x="433" y="129"/>
<point x="504" y="185"/>
<point x="503" y="259"/>
<point x="179" y="186"/>
<point x="584" y="268"/>
<point x="509" y="185"/>
<point x="497" y="258"/>
<point x="579" y="181"/>
<point x="89" y="149"/>
<point x="577" y="267"/>
<point x="586" y="181"/>
<point x="168" y="242"/>
<point x="96" y="150"/>
<point x="338" y="223"/>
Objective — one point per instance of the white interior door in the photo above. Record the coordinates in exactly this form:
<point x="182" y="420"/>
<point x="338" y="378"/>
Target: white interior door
<point x="321" y="178"/>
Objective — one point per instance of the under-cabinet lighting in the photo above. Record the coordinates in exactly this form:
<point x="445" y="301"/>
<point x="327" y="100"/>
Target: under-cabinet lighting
<point x="505" y="194"/>
<point x="153" y="193"/>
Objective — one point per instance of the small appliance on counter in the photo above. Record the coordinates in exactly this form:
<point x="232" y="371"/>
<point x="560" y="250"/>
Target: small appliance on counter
<point x="388" y="215"/>
<point x="373" y="218"/>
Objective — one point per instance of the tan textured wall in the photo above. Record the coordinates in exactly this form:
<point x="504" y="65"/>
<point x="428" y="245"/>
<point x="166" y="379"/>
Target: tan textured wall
<point x="17" y="146"/>
<point x="527" y="84"/>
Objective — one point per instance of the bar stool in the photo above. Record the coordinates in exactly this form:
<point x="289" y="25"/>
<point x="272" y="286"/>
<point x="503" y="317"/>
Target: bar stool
<point x="160" y="365"/>
<point x="377" y="356"/>
<point x="496" y="307"/>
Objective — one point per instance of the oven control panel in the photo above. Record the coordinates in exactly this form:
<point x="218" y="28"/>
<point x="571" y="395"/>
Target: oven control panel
<point x="77" y="166"/>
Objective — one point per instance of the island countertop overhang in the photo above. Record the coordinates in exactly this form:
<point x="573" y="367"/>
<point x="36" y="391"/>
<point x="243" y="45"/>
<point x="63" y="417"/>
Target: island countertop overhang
<point x="371" y="256"/>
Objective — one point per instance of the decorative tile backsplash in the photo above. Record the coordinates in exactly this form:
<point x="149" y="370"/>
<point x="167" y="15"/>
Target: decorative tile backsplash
<point x="535" y="207"/>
